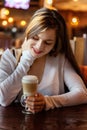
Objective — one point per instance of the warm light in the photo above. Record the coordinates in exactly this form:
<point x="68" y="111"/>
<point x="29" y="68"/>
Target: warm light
<point x="23" y="23"/>
<point x="75" y="0"/>
<point x="4" y="23"/>
<point x="5" y="11"/>
<point x="50" y="2"/>
<point x="10" y="20"/>
<point x="75" y="21"/>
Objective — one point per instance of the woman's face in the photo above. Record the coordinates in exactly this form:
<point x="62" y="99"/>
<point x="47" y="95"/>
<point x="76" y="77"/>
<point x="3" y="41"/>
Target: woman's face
<point x="42" y="43"/>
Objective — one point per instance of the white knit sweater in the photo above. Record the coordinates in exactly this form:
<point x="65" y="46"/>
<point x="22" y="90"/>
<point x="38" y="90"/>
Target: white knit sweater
<point x="57" y="71"/>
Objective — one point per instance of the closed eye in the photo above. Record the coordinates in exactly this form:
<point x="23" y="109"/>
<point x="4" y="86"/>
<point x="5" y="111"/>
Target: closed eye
<point x="35" y="37"/>
<point x="48" y="43"/>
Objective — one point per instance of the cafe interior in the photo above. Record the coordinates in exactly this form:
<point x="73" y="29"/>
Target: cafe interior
<point x="15" y="15"/>
<point x="14" y="18"/>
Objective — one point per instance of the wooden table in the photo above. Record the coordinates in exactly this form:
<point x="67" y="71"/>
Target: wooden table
<point x="67" y="118"/>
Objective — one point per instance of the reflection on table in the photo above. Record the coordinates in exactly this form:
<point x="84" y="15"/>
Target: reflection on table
<point x="67" y="118"/>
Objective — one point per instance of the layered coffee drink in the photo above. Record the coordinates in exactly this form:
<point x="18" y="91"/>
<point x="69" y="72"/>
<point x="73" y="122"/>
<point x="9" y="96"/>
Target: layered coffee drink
<point x="29" y="84"/>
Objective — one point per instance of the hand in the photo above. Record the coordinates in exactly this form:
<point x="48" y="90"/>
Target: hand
<point x="25" y="45"/>
<point x="35" y="103"/>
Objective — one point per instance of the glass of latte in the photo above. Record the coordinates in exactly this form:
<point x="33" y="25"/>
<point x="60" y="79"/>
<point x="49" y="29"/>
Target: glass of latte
<point x="29" y="84"/>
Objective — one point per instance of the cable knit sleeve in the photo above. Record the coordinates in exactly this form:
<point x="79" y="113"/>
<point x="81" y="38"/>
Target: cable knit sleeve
<point x="77" y="90"/>
<point x="11" y="75"/>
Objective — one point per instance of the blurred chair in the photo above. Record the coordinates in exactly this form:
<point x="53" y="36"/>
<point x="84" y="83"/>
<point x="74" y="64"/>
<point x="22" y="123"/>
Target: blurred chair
<point x="79" y="47"/>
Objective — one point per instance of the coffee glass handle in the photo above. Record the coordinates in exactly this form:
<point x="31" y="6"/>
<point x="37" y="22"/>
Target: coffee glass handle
<point x="23" y="98"/>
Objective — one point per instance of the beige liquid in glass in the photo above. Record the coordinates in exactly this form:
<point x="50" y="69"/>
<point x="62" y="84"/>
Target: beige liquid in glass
<point x="29" y="84"/>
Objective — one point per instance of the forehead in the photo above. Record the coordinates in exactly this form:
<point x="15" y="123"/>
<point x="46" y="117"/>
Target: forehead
<point x="48" y="34"/>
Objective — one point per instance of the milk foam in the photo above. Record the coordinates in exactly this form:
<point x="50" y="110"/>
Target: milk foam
<point x="30" y="79"/>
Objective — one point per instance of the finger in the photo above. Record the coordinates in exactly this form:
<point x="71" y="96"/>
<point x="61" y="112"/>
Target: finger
<point x="35" y="104"/>
<point x="36" y="107"/>
<point x="36" y="98"/>
<point x="35" y="110"/>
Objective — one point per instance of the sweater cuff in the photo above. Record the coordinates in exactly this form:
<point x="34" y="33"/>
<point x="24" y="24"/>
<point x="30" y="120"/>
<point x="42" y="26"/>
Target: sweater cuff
<point x="51" y="102"/>
<point x="48" y="103"/>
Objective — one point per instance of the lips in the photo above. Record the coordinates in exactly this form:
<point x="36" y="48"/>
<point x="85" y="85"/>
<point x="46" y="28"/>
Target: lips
<point x="36" y="51"/>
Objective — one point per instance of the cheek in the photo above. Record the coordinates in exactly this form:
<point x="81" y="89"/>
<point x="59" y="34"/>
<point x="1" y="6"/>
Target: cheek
<point x="32" y="43"/>
<point x="48" y="49"/>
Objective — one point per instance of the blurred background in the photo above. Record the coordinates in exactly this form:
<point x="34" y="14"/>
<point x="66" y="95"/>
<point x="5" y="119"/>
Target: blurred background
<point x="15" y="15"/>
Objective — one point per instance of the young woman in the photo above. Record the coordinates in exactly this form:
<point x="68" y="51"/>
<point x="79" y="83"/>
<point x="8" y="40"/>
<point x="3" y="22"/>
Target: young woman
<point x="46" y="53"/>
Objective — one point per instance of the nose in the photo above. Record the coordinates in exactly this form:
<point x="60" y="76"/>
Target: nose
<point x="40" y="45"/>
